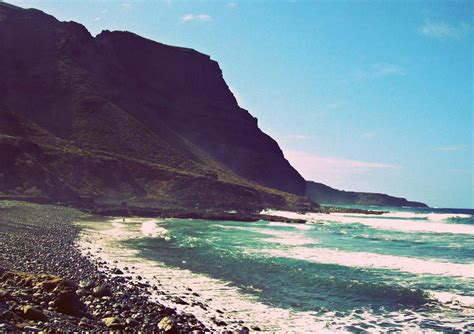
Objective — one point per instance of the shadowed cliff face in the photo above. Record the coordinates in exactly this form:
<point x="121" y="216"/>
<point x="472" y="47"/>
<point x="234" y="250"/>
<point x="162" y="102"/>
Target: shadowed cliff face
<point x="326" y="195"/>
<point x="140" y="118"/>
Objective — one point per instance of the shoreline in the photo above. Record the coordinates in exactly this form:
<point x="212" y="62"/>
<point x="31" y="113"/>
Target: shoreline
<point x="218" y="304"/>
<point x="78" y="293"/>
<point x="124" y="210"/>
<point x="44" y="239"/>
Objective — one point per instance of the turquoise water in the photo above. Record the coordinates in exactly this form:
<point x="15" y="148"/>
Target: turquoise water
<point x="403" y="270"/>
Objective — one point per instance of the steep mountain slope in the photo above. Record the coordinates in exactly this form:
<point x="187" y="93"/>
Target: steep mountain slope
<point x="120" y="117"/>
<point x="326" y="195"/>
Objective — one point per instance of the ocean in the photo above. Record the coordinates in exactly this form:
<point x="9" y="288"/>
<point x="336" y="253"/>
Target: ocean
<point x="407" y="270"/>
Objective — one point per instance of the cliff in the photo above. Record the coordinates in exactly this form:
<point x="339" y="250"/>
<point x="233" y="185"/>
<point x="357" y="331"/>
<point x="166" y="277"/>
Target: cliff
<point x="119" y="117"/>
<point x="323" y="194"/>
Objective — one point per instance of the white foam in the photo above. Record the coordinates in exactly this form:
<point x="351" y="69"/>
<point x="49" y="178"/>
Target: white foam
<point x="432" y="216"/>
<point x="374" y="221"/>
<point x="287" y="238"/>
<point x="151" y="229"/>
<point x="216" y="294"/>
<point x="303" y="227"/>
<point x="279" y="236"/>
<point x="220" y="295"/>
<point x="453" y="299"/>
<point x="373" y="260"/>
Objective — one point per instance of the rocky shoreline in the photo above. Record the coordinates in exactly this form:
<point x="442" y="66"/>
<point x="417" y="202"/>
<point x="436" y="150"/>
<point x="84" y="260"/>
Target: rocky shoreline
<point x="46" y="284"/>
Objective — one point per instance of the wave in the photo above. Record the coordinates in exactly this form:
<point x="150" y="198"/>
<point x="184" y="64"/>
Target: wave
<point x="431" y="225"/>
<point x="279" y="237"/>
<point x="151" y="229"/>
<point x="238" y="303"/>
<point x="303" y="227"/>
<point x="449" y="298"/>
<point x="217" y="295"/>
<point x="372" y="260"/>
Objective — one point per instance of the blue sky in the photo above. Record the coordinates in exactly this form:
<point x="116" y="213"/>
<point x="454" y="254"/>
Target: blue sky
<point x="367" y="96"/>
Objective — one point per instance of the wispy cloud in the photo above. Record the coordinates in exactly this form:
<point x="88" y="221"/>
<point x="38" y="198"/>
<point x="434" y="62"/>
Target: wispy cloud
<point x="232" y="4"/>
<point x="367" y="135"/>
<point x="384" y="69"/>
<point x="98" y="18"/>
<point x="334" y="105"/>
<point x="195" y="17"/>
<point x="314" y="167"/>
<point x="462" y="170"/>
<point x="126" y="6"/>
<point x="443" y="30"/>
<point x="450" y="148"/>
<point x="378" y="70"/>
<point x="299" y="137"/>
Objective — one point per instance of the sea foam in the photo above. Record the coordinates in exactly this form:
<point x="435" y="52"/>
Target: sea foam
<point x="373" y="260"/>
<point x="433" y="224"/>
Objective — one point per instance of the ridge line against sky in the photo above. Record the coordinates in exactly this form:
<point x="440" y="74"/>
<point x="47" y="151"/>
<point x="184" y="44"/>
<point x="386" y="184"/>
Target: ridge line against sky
<point x="365" y="96"/>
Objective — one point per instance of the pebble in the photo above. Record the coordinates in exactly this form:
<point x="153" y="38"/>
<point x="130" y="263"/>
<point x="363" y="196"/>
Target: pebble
<point x="90" y="295"/>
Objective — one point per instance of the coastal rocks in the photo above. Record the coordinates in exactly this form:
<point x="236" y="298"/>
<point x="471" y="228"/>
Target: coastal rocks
<point x="102" y="291"/>
<point x="113" y="323"/>
<point x="68" y="302"/>
<point x="167" y="325"/>
<point x="32" y="313"/>
<point x="79" y="291"/>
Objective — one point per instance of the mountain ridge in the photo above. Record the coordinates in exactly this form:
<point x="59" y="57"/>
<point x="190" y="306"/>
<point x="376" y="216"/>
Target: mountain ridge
<point x="121" y="117"/>
<point x="324" y="194"/>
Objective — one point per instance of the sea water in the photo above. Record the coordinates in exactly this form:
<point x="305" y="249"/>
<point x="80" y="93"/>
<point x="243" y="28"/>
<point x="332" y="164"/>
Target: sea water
<point x="406" y="270"/>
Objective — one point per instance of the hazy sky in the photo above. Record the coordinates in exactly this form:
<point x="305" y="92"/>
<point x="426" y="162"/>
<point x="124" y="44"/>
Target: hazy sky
<point x="360" y="95"/>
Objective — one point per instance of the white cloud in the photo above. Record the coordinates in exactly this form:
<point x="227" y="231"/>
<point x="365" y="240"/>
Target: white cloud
<point x="187" y="17"/>
<point x="442" y="30"/>
<point x="330" y="169"/>
<point x="195" y="17"/>
<point x="384" y="69"/>
<point x="462" y="170"/>
<point x="367" y="135"/>
<point x="126" y="6"/>
<point x="98" y="18"/>
<point x="232" y="4"/>
<point x="334" y="105"/>
<point x="203" y="17"/>
<point x="450" y="148"/>
<point x="298" y="137"/>
<point x="377" y="71"/>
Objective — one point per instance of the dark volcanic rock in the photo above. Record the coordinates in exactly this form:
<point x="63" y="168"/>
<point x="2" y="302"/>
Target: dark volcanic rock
<point x="68" y="302"/>
<point x="32" y="313"/>
<point x="321" y="193"/>
<point x="118" y="117"/>
<point x="40" y="270"/>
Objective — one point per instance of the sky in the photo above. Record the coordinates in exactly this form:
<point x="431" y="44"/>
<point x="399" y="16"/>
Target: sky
<point x="361" y="95"/>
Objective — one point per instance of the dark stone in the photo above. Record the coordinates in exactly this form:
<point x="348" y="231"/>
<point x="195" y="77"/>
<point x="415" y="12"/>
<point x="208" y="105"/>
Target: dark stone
<point x="117" y="271"/>
<point x="32" y="313"/>
<point x="102" y="291"/>
<point x="244" y="330"/>
<point x="68" y="302"/>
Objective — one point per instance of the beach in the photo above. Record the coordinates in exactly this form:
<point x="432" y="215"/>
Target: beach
<point x="400" y="270"/>
<point x="46" y="283"/>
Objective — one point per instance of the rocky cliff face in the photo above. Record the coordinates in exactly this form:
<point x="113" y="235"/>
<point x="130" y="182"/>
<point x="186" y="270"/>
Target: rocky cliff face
<point x="326" y="195"/>
<point x="119" y="116"/>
